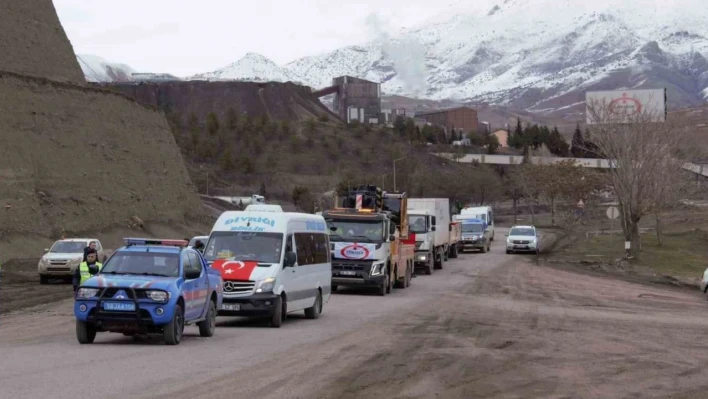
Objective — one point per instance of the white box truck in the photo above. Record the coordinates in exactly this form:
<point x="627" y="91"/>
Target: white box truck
<point x="483" y="213"/>
<point x="429" y="220"/>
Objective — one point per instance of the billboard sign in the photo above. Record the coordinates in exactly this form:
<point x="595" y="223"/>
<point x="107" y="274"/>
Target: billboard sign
<point x="623" y="106"/>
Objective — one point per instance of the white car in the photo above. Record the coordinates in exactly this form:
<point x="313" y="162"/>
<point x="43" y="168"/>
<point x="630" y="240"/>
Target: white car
<point x="522" y="239"/>
<point x="64" y="257"/>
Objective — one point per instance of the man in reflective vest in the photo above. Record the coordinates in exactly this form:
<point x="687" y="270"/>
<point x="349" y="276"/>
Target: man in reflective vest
<point x="86" y="269"/>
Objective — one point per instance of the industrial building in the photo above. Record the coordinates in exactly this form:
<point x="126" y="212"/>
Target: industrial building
<point x="695" y="118"/>
<point x="354" y="99"/>
<point x="388" y="116"/>
<point x="461" y="119"/>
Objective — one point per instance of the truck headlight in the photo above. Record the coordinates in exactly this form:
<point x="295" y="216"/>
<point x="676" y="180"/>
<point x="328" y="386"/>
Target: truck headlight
<point x="377" y="268"/>
<point x="266" y="285"/>
<point x="86" y="293"/>
<point x="158" y="296"/>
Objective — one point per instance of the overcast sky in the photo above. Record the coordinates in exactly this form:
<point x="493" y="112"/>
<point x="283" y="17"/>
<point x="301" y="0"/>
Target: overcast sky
<point x="185" y="37"/>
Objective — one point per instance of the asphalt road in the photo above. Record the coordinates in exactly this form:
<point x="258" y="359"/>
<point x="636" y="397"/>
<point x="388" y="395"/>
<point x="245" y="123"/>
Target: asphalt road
<point x="41" y="357"/>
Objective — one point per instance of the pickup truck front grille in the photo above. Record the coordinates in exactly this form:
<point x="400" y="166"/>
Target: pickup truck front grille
<point x="521" y="242"/>
<point x="58" y="262"/>
<point x="238" y="288"/>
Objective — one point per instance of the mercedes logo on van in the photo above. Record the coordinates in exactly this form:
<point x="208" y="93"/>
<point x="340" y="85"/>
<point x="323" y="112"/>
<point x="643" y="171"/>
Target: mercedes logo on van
<point x="229" y="286"/>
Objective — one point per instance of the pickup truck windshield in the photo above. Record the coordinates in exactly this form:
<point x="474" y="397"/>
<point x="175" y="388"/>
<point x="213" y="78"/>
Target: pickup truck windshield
<point x="472" y="228"/>
<point x="521" y="232"/>
<point x="242" y="245"/>
<point x="68" y="247"/>
<point x="416" y="224"/>
<point x="357" y="231"/>
<point x="151" y="263"/>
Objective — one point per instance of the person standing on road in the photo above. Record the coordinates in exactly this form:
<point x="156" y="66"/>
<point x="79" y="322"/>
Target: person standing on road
<point x="91" y="246"/>
<point x="86" y="269"/>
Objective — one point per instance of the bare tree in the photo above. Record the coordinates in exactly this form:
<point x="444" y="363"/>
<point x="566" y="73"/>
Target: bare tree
<point x="644" y="154"/>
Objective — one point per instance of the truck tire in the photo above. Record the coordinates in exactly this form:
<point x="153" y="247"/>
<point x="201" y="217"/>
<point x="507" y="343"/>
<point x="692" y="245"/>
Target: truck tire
<point x="383" y="288"/>
<point x="453" y="251"/>
<point x="400" y="282"/>
<point x="276" y="319"/>
<point x="172" y="332"/>
<point x="208" y="325"/>
<point x="446" y="254"/>
<point x="409" y="275"/>
<point x="429" y="267"/>
<point x="389" y="284"/>
<point x="85" y="332"/>
<point x="438" y="260"/>
<point x="316" y="309"/>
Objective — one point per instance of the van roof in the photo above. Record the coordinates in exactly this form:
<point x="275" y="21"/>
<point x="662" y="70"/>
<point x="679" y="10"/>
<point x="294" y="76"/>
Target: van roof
<point x="268" y="221"/>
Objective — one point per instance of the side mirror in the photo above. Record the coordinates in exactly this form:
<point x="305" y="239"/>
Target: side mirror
<point x="392" y="237"/>
<point x="506" y="235"/>
<point x="46" y="249"/>
<point x="290" y="259"/>
<point x="192" y="274"/>
<point x="93" y="269"/>
<point x="432" y="228"/>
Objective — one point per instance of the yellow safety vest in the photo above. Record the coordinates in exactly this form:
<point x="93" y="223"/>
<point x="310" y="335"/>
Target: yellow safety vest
<point x="84" y="271"/>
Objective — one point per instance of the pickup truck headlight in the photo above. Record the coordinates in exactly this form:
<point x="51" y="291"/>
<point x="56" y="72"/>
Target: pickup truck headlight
<point x="266" y="285"/>
<point x="158" y="296"/>
<point x="86" y="293"/>
<point x="377" y="268"/>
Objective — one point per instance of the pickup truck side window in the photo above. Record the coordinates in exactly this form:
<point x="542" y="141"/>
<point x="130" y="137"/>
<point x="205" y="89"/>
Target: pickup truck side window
<point x="193" y="264"/>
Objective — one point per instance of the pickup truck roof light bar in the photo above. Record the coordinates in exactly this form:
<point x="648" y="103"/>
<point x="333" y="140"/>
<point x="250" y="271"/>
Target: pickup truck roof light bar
<point x="155" y="241"/>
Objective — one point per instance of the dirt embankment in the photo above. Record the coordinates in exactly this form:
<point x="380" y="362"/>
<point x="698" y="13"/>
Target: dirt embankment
<point x="80" y="159"/>
<point x="33" y="42"/>
<point x="280" y="101"/>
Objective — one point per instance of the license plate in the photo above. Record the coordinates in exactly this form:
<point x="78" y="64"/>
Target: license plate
<point x="348" y="273"/>
<point x="119" y="306"/>
<point x="231" y="306"/>
<point x="521" y="246"/>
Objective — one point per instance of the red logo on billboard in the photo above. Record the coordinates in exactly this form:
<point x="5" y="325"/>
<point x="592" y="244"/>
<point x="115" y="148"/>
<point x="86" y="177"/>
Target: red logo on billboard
<point x="354" y="251"/>
<point x="625" y="105"/>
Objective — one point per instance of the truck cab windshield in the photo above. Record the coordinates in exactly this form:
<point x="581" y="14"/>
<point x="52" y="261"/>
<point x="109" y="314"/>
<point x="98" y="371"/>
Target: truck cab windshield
<point x="242" y="245"/>
<point x="472" y="228"/>
<point x="356" y="231"/>
<point x="416" y="224"/>
<point x="149" y="263"/>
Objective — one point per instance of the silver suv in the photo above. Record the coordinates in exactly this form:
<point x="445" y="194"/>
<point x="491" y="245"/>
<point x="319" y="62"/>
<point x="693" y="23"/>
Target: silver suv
<point x="522" y="239"/>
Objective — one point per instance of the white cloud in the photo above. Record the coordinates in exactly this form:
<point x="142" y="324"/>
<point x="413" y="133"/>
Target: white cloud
<point x="184" y="37"/>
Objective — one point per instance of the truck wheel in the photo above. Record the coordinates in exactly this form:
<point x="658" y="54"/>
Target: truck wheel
<point x="454" y="251"/>
<point x="438" y="261"/>
<point x="316" y="309"/>
<point x="172" y="332"/>
<point x="400" y="282"/>
<point x="389" y="284"/>
<point x="409" y="276"/>
<point x="276" y="320"/>
<point x="43" y="280"/>
<point x="207" y="327"/>
<point x="446" y="255"/>
<point x="383" y="288"/>
<point x="429" y="267"/>
<point x="85" y="332"/>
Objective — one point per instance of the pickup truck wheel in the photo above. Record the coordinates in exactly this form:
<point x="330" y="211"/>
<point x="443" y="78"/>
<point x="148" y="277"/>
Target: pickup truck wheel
<point x="316" y="309"/>
<point x="276" y="319"/>
<point x="172" y="333"/>
<point x="85" y="332"/>
<point x="207" y="327"/>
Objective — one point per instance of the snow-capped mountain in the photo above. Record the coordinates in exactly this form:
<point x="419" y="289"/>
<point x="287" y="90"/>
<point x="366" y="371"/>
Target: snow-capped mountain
<point x="536" y="55"/>
<point x="252" y="67"/>
<point x="97" y="69"/>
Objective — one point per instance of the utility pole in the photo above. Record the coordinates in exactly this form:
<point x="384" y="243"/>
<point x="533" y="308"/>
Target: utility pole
<point x="394" y="171"/>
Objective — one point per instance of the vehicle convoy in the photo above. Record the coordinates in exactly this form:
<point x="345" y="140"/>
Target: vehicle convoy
<point x="429" y="219"/>
<point x="475" y="235"/>
<point x="64" y="257"/>
<point x="368" y="241"/>
<point x="483" y="213"/>
<point x="149" y="286"/>
<point x="272" y="263"/>
<point x="455" y="239"/>
<point x="522" y="239"/>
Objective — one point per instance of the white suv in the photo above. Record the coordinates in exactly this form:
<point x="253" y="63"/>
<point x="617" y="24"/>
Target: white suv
<point x="522" y="239"/>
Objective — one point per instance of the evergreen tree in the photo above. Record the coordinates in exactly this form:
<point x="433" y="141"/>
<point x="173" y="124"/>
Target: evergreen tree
<point x="577" y="148"/>
<point x="556" y="144"/>
<point x="517" y="140"/>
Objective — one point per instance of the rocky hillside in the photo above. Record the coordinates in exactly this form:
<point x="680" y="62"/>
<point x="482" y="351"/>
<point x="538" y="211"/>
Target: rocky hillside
<point x="75" y="158"/>
<point x="32" y="42"/>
